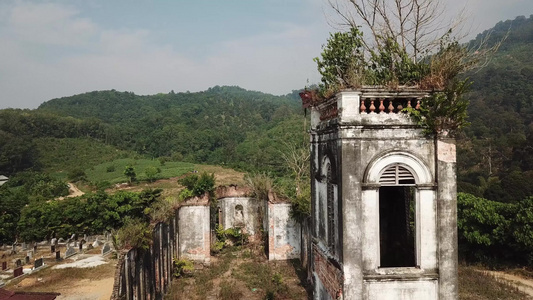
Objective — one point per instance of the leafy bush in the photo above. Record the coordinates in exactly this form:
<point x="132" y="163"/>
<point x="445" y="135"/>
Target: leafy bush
<point x="182" y="267"/>
<point x="231" y="236"/>
<point x="494" y="232"/>
<point x="197" y="185"/>
<point x="110" y="169"/>
<point x="77" y="175"/>
<point x="134" y="234"/>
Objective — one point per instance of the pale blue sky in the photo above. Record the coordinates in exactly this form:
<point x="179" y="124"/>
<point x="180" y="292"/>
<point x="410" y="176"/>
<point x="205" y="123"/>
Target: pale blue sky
<point x="57" y="48"/>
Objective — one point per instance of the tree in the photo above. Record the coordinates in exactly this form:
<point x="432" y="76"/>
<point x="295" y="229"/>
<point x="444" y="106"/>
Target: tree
<point x="129" y="171"/>
<point x="408" y="43"/>
<point x="151" y="172"/>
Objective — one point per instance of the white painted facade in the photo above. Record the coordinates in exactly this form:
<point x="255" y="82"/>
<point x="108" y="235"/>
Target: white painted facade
<point x="194" y="238"/>
<point x="363" y="144"/>
<point x="283" y="233"/>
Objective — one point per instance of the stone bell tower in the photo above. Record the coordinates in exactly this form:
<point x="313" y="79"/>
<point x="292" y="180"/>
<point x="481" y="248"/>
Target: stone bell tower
<point x="383" y="200"/>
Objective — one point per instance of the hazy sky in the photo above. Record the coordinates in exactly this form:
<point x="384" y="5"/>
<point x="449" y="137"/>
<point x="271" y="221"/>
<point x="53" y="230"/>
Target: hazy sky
<point x="56" y="48"/>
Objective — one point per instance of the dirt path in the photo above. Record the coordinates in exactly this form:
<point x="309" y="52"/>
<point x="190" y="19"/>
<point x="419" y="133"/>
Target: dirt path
<point x="522" y="284"/>
<point x="86" y="289"/>
<point x="74" y="191"/>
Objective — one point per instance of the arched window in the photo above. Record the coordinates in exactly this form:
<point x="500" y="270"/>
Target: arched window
<point x="397" y="222"/>
<point x="327" y="208"/>
<point x="332" y="215"/>
<point x="399" y="213"/>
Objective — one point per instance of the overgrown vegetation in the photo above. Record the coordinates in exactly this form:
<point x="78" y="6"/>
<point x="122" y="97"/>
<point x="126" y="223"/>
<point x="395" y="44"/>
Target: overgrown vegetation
<point x="182" y="267"/>
<point x="197" y="185"/>
<point x="228" y="238"/>
<point x="238" y="275"/>
<point x="30" y="215"/>
<point x="134" y="233"/>
<point x="403" y="48"/>
<point x="495" y="233"/>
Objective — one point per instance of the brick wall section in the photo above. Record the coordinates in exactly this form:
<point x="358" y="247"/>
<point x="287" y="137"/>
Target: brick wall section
<point x="118" y="268"/>
<point x="232" y="191"/>
<point x="330" y="276"/>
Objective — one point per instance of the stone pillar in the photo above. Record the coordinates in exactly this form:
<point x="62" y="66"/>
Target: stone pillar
<point x="350" y="191"/>
<point x="447" y="218"/>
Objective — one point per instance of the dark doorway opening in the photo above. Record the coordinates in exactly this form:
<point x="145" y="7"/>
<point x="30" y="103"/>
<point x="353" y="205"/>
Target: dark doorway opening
<point x="397" y="230"/>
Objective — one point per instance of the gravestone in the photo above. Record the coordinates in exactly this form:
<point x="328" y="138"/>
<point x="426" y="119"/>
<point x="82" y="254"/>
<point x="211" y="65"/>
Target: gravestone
<point x="4" y="265"/>
<point x="81" y="245"/>
<point x="38" y="263"/>
<point x="24" y="246"/>
<point x="73" y="236"/>
<point x="61" y="240"/>
<point x="35" y="249"/>
<point x="106" y="249"/>
<point x="53" y="242"/>
<point x="85" y="237"/>
<point x="14" y="249"/>
<point x="96" y="243"/>
<point x="18" y="262"/>
<point x="70" y="251"/>
<point x="30" y="254"/>
<point x="52" y="248"/>
<point x="27" y="260"/>
<point x="17" y="272"/>
<point x="58" y="255"/>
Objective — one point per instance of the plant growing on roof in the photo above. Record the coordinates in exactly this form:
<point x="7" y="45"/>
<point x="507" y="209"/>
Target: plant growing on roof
<point x="409" y="44"/>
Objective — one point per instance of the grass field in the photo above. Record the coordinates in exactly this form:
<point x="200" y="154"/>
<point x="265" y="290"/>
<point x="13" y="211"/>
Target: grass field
<point x="62" y="155"/>
<point x="113" y="171"/>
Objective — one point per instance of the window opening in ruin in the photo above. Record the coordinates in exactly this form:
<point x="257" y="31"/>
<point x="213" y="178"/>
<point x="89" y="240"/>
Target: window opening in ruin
<point x="397" y="212"/>
<point x="238" y="218"/>
<point x="331" y="209"/>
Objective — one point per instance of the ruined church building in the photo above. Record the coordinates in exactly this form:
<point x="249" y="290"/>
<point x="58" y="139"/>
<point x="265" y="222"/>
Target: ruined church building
<point x="383" y="201"/>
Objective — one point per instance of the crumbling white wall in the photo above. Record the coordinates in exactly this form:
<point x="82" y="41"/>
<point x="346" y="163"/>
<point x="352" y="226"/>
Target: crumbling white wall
<point x="194" y="238"/>
<point x="242" y="212"/>
<point x="283" y="233"/>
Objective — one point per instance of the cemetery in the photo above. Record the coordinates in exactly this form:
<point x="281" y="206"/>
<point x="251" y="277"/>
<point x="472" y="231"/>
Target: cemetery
<point x="30" y="267"/>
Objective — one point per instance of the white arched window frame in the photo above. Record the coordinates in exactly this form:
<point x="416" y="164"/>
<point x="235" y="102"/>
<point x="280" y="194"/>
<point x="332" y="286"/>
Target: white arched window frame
<point x="425" y="217"/>
<point x="327" y="208"/>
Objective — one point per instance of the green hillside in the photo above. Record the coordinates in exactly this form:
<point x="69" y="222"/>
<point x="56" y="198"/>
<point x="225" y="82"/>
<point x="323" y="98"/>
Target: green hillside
<point x="197" y="127"/>
<point x="495" y="153"/>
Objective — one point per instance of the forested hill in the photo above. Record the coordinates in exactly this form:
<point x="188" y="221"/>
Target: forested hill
<point x="117" y="107"/>
<point x="495" y="156"/>
<point x="222" y="125"/>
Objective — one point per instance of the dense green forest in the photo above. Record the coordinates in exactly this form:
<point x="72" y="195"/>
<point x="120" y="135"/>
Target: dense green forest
<point x="495" y="158"/>
<point x="251" y="131"/>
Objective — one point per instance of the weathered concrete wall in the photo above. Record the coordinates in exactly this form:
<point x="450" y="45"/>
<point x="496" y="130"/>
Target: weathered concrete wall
<point x="362" y="144"/>
<point x="283" y="233"/>
<point x="405" y="290"/>
<point x="241" y="212"/>
<point x="447" y="219"/>
<point x="194" y="233"/>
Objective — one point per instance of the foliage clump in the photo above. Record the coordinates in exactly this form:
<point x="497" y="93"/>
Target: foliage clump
<point x="134" y="234"/>
<point x="197" y="185"/>
<point x="402" y="49"/>
<point x="182" y="267"/>
<point x="228" y="237"/>
<point x="494" y="232"/>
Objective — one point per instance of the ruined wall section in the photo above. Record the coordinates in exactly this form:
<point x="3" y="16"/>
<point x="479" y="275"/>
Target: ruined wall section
<point x="283" y="233"/>
<point x="194" y="236"/>
<point x="242" y="212"/>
